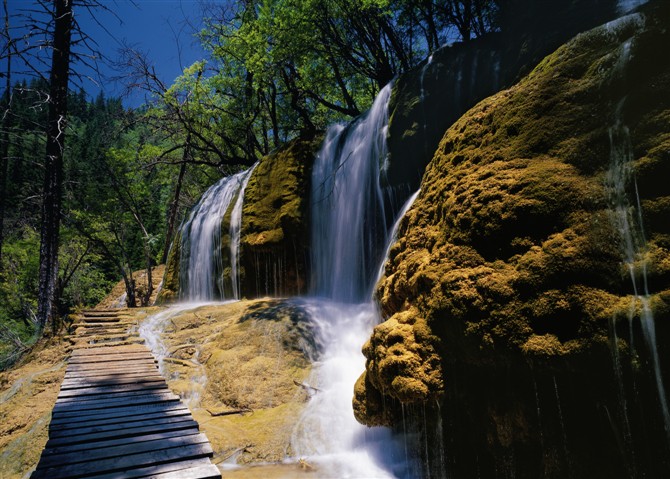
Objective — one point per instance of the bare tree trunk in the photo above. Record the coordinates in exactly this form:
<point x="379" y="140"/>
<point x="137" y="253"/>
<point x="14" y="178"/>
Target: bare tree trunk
<point x="4" y="143"/>
<point x="174" y="207"/>
<point x="53" y="162"/>
<point x="150" y="284"/>
<point x="129" y="281"/>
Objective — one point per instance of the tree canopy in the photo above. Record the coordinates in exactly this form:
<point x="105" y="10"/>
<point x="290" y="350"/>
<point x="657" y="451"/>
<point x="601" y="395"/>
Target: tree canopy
<point x="273" y="70"/>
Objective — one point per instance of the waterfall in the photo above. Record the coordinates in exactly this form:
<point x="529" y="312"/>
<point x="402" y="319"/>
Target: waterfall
<point x="235" y="228"/>
<point x="627" y="217"/>
<point x="349" y="228"/>
<point x="350" y="235"/>
<point x="202" y="275"/>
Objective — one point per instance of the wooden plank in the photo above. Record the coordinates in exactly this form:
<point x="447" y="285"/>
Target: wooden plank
<point x="112" y="399"/>
<point x="88" y="332"/>
<point x="156" y="470"/>
<point x="111" y="370"/>
<point x="90" y="448"/>
<point x="110" y="365"/>
<point x="118" y="415"/>
<point x="119" y="454"/>
<point x="131" y="378"/>
<point x="95" y="430"/>
<point x="103" y="358"/>
<point x="111" y="388"/>
<point x="106" y="349"/>
<point x="101" y="319"/>
<point x="122" y="402"/>
<point x="120" y="465"/>
<point x="111" y="375"/>
<point x="111" y="396"/>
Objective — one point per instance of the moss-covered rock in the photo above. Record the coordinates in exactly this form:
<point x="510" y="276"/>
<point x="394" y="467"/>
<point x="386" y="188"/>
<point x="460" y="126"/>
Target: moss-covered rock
<point x="240" y="366"/>
<point x="275" y="231"/>
<point x="507" y="296"/>
<point x="430" y="98"/>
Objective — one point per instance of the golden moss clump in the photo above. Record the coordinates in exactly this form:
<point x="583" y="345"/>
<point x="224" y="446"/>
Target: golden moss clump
<point x="274" y="221"/>
<point x="511" y="251"/>
<point x="402" y="362"/>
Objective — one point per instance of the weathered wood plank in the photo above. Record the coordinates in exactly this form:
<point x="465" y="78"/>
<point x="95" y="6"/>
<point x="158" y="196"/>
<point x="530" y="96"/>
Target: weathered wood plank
<point x="117" y="415"/>
<point x="137" y="378"/>
<point x="95" y="390"/>
<point x="130" y="427"/>
<point x="114" y="396"/>
<point x="104" y="358"/>
<point x="138" y="400"/>
<point x="127" y="378"/>
<point x="107" y="349"/>
<point x="118" y="369"/>
<point x="120" y="360"/>
<point x="90" y="448"/>
<point x="111" y="366"/>
<point x="156" y="470"/>
<point x="122" y="457"/>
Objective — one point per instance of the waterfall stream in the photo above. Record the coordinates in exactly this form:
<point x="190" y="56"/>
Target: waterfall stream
<point x="201" y="263"/>
<point x="627" y="217"/>
<point x="350" y="239"/>
<point x="349" y="230"/>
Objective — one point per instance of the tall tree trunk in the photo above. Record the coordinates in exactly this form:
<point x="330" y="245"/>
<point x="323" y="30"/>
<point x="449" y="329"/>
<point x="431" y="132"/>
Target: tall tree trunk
<point x="53" y="162"/>
<point x="174" y="206"/>
<point x="4" y="143"/>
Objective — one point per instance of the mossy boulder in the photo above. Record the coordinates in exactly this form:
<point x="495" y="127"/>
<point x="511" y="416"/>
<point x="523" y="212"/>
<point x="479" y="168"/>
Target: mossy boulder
<point x="275" y="232"/>
<point x="239" y="366"/>
<point x="508" y="296"/>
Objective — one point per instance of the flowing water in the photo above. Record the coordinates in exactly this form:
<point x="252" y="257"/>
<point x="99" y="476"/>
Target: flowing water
<point x="201" y="268"/>
<point x="350" y="238"/>
<point x="349" y="229"/>
<point x="327" y="434"/>
<point x="627" y="217"/>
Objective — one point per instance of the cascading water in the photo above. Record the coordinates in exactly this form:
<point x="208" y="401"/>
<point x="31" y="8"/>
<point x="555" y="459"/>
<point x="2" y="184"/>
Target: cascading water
<point x="202" y="265"/>
<point x="627" y="217"/>
<point x="201" y="262"/>
<point x="349" y="239"/>
<point x="235" y="227"/>
<point x="349" y="229"/>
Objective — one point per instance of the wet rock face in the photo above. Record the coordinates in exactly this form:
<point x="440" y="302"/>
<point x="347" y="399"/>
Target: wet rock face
<point x="508" y="299"/>
<point x="274" y="234"/>
<point x="275" y="229"/>
<point x="429" y="99"/>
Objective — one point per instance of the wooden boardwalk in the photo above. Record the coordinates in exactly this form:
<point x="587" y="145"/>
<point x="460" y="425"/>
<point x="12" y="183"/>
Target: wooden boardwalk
<point x="115" y="416"/>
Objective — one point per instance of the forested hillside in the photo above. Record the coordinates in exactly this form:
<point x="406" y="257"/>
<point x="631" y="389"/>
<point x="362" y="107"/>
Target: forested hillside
<point x="274" y="70"/>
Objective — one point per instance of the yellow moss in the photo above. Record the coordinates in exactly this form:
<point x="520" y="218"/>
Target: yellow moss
<point x="509" y="252"/>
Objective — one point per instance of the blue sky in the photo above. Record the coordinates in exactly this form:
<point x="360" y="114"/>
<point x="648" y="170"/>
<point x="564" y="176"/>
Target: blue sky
<point x="156" y="27"/>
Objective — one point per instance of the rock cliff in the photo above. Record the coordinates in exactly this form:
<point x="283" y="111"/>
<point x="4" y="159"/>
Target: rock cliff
<point x="510" y="311"/>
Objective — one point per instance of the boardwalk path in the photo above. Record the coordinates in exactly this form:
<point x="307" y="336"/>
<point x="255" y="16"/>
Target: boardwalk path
<point x="115" y="416"/>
